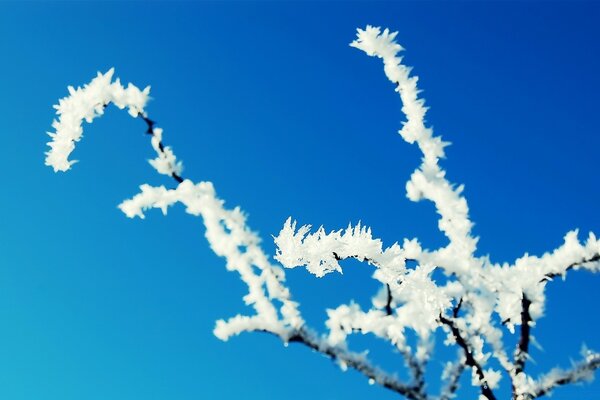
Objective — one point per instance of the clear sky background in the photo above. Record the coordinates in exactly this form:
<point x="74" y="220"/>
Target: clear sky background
<point x="270" y="103"/>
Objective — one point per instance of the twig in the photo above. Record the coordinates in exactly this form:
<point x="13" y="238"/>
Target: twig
<point x="486" y="391"/>
<point x="388" y="304"/>
<point x="580" y="372"/>
<point x="549" y="277"/>
<point x="523" y="346"/>
<point x="150" y="131"/>
<point x="352" y="360"/>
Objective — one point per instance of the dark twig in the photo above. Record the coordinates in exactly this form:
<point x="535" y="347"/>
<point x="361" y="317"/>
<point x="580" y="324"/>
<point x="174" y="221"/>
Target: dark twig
<point x="356" y="257"/>
<point x="453" y="381"/>
<point x="523" y="346"/>
<point x="486" y="391"/>
<point x="150" y="131"/>
<point x="361" y="258"/>
<point x="549" y="277"/>
<point x="456" y="309"/>
<point x="522" y="350"/>
<point x="388" y="304"/>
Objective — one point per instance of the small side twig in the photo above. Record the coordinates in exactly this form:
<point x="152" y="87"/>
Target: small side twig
<point x="470" y="361"/>
<point x="150" y="131"/>
<point x="594" y="258"/>
<point x="580" y="372"/>
<point x="388" y="304"/>
<point x="522" y="350"/>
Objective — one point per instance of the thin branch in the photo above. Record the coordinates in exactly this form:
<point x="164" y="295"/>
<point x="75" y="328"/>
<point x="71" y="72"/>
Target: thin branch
<point x="352" y="360"/>
<point x="594" y="258"/>
<point x="356" y="257"/>
<point x="453" y="382"/>
<point x="363" y="259"/>
<point x="456" y="309"/>
<point x="417" y="370"/>
<point x="150" y="131"/>
<point x="582" y="371"/>
<point x="522" y="349"/>
<point x="486" y="391"/>
<point x="388" y="304"/>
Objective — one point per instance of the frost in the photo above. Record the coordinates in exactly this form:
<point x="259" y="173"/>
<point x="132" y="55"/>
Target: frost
<point x="463" y="306"/>
<point x="88" y="102"/>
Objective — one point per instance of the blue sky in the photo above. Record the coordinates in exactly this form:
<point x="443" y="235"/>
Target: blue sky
<point x="269" y="102"/>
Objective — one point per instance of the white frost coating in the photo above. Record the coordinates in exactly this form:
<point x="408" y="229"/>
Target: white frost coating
<point x="427" y="182"/>
<point x="422" y="301"/>
<point x="226" y="230"/>
<point x="321" y="251"/>
<point x="581" y="371"/>
<point x="88" y="102"/>
<point x="465" y="303"/>
<point x="529" y="274"/>
<point x="165" y="162"/>
<point x="411" y="299"/>
<point x="346" y="319"/>
<point x="84" y="104"/>
<point x="492" y="377"/>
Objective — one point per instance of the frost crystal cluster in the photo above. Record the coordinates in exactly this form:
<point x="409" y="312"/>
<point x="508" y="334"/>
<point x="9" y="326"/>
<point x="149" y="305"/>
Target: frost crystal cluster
<point x="476" y="305"/>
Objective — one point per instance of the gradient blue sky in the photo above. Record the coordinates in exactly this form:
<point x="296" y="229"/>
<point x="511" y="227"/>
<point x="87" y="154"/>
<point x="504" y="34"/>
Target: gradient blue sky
<point x="268" y="101"/>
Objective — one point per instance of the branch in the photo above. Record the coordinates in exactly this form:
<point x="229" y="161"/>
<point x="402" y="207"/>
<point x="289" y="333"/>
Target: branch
<point x="157" y="137"/>
<point x="353" y="360"/>
<point x="456" y="309"/>
<point x="350" y="319"/>
<point x="486" y="391"/>
<point x="428" y="181"/>
<point x="582" y="371"/>
<point x="523" y="346"/>
<point x="551" y="276"/>
<point x="388" y="304"/>
<point x="457" y="369"/>
<point x="347" y="358"/>
<point x="356" y="257"/>
<point x="417" y="370"/>
<point x="320" y="252"/>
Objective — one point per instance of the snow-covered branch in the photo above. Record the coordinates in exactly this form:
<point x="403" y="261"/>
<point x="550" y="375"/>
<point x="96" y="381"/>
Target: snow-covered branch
<point x="474" y="305"/>
<point x="226" y="232"/>
<point x="580" y="372"/>
<point x="522" y="351"/>
<point x="89" y="102"/>
<point x="470" y="361"/>
<point x="347" y="359"/>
